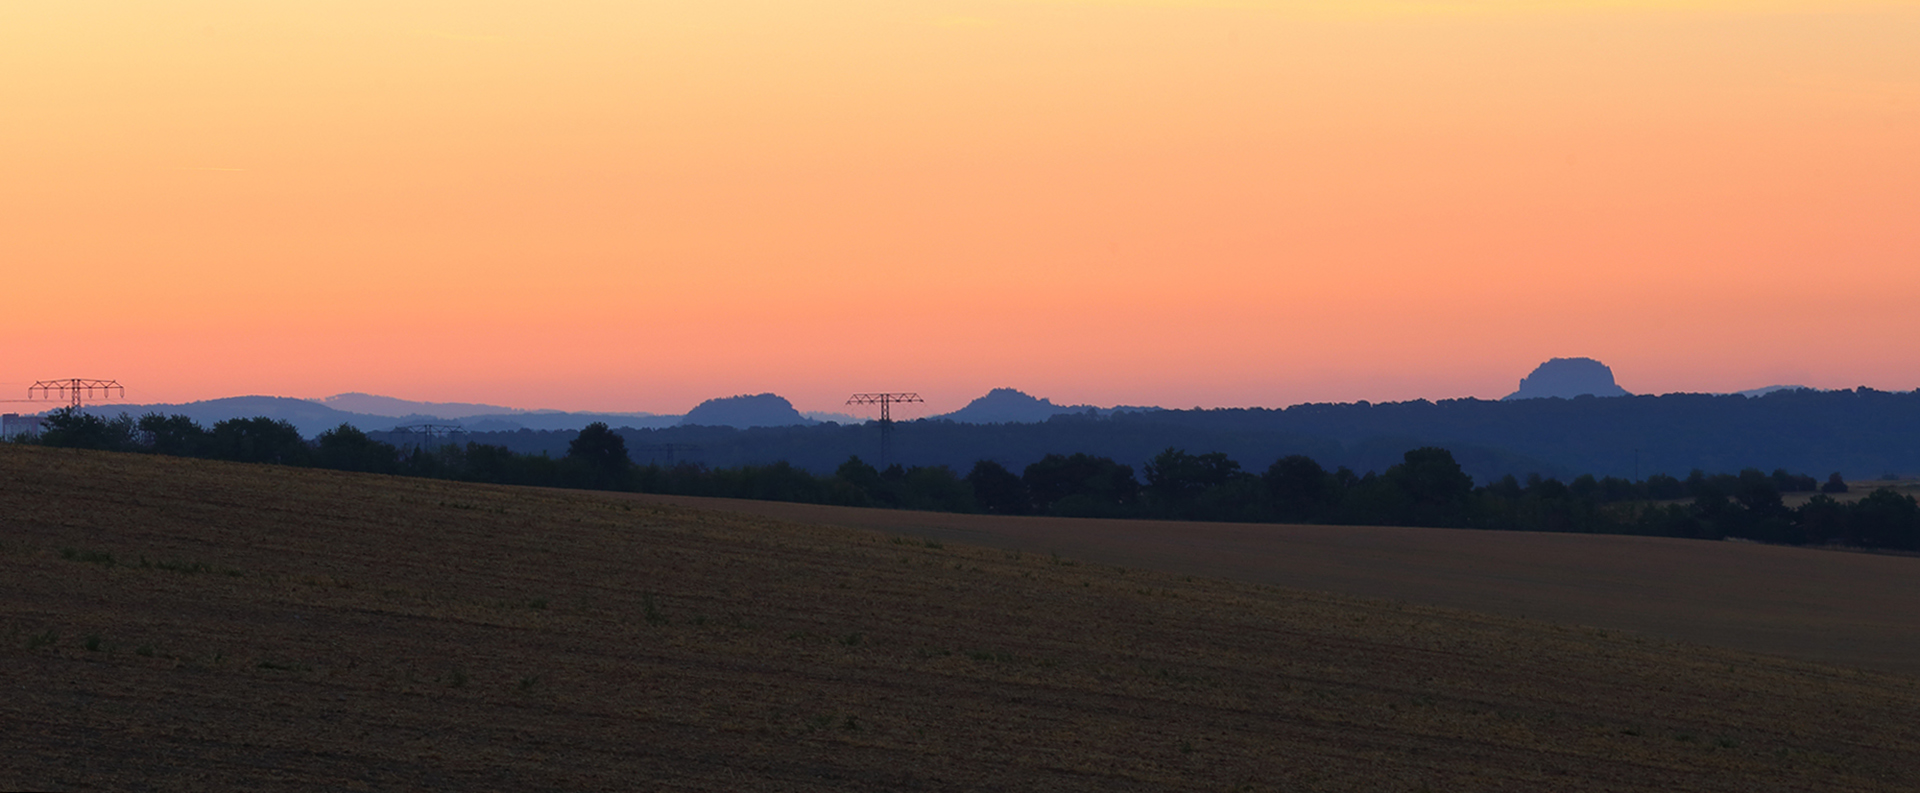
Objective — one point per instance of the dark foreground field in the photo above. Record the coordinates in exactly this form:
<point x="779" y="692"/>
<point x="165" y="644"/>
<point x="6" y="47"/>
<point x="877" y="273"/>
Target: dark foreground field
<point x="175" y="624"/>
<point x="1847" y="608"/>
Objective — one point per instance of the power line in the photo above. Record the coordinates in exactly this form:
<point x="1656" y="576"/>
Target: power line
<point x="670" y="449"/>
<point x="73" y="389"/>
<point x="428" y="432"/>
<point x="886" y="402"/>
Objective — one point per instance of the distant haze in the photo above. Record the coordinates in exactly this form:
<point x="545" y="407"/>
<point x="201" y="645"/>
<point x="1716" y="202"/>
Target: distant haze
<point x="390" y="406"/>
<point x="1562" y="378"/>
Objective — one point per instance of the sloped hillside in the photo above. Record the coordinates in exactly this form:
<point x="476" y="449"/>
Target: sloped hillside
<point x="176" y="624"/>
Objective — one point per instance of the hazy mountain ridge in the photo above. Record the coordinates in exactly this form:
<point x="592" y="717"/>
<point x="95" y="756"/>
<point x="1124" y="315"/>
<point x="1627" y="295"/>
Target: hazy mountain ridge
<point x="382" y="413"/>
<point x="395" y="407"/>
<point x="312" y="417"/>
<point x="1861" y="433"/>
<point x="1763" y="391"/>
<point x="309" y="416"/>
<point x="562" y="420"/>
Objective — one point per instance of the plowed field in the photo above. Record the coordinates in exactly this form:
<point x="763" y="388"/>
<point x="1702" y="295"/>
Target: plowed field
<point x="1841" y="607"/>
<point x="178" y="624"/>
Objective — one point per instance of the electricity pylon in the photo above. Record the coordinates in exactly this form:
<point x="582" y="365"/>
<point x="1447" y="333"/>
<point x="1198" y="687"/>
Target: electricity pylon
<point x="670" y="449"/>
<point x="886" y="403"/>
<point x="428" y="432"/>
<point x="75" y="389"/>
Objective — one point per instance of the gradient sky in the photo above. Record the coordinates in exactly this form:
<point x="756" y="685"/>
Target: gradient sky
<point x="625" y="205"/>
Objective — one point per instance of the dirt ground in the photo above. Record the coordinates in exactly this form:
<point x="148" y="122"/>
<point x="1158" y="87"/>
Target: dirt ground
<point x="1820" y="605"/>
<point x="188" y="625"/>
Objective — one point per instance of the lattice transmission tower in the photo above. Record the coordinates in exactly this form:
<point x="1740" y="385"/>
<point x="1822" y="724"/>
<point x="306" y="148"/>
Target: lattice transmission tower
<point x="671" y="450"/>
<point x="886" y="403"/>
<point x="428" y="432"/>
<point x="75" y="390"/>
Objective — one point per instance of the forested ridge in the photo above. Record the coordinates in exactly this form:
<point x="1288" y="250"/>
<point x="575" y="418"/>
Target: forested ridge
<point x="1862" y="433"/>
<point x="1426" y="487"/>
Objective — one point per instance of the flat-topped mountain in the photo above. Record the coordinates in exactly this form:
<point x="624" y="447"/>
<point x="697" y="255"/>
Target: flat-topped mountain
<point x="747" y="410"/>
<point x="1009" y="406"/>
<point x="1567" y="378"/>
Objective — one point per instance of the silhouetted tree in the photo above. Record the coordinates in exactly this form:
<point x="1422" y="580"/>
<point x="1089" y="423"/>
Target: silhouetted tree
<point x="258" y="440"/>
<point x="499" y="465"/>
<point x="1822" y="521"/>
<point x="1435" y="491"/>
<point x="1300" y="491"/>
<point x="76" y="429"/>
<point x="1081" y="485"/>
<point x="1885" y="519"/>
<point x="1697" y="484"/>
<point x="1834" y="484"/>
<point x="346" y="448"/>
<point x="937" y="488"/>
<point x="602" y="452"/>
<point x="998" y="490"/>
<point x="1793" y="483"/>
<point x="1761" y="515"/>
<point x="1662" y="487"/>
<point x="862" y="477"/>
<point x="174" y="435"/>
<point x="1584" y="486"/>
<point x="1177" y="480"/>
<point x="1506" y="488"/>
<point x="777" y="482"/>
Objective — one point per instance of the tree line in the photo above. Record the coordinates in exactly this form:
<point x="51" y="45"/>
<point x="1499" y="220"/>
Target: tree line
<point x="1426" y="488"/>
<point x="1862" y="433"/>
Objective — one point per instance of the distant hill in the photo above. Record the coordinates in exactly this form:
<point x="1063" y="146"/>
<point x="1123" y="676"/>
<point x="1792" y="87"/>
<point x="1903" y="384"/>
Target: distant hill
<point x="1013" y="406"/>
<point x="309" y="416"/>
<point x="490" y="418"/>
<point x="555" y="420"/>
<point x="1567" y="378"/>
<point x="1860" y="433"/>
<point x="313" y="417"/>
<point x="1760" y="392"/>
<point x="834" y="416"/>
<point x="376" y="413"/>
<point x="393" y="407"/>
<point x="1007" y="406"/>
<point x="755" y="410"/>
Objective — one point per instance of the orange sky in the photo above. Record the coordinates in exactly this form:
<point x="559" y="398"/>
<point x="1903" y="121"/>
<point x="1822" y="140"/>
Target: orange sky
<point x="635" y="206"/>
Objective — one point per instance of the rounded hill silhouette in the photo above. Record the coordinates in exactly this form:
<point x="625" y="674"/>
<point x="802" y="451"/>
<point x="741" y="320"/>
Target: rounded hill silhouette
<point x="1568" y="378"/>
<point x="754" y="410"/>
<point x="1007" y="405"/>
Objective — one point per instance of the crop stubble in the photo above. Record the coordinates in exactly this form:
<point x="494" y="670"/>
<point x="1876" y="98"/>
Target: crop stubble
<point x="1847" y="608"/>
<point x="273" y="627"/>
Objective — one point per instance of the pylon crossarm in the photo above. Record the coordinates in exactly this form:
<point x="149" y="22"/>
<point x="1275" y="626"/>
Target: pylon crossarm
<point x="886" y="401"/>
<point x="75" y="389"/>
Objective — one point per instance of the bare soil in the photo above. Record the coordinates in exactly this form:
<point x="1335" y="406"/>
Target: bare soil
<point x="1851" y="608"/>
<point x="178" y="624"/>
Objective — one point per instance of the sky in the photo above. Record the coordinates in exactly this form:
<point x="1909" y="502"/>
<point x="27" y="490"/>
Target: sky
<point x="636" y="206"/>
